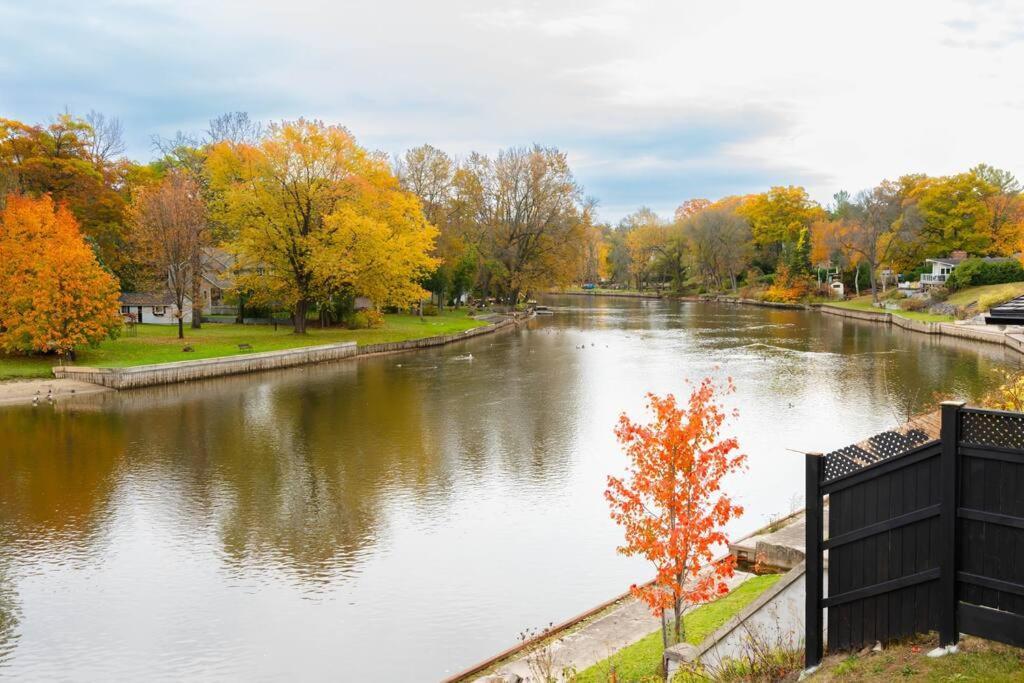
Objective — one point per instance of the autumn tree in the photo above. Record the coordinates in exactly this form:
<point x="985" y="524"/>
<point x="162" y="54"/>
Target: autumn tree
<point x="646" y="237"/>
<point x="74" y="163"/>
<point x="56" y="297"/>
<point x="691" y="207"/>
<point x="171" y="231"/>
<point x="523" y="210"/>
<point x="1005" y="208"/>
<point x="719" y="245"/>
<point x="670" y="504"/>
<point x="316" y="216"/>
<point x="953" y="214"/>
<point x="777" y="218"/>
<point x="873" y="231"/>
<point x="429" y="174"/>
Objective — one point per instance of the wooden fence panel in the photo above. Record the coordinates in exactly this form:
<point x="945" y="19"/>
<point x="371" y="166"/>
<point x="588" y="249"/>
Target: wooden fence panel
<point x="990" y="525"/>
<point x="925" y="532"/>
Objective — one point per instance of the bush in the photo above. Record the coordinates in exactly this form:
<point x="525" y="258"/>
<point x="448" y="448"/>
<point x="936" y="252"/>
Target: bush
<point x="430" y="309"/>
<point x="938" y="294"/>
<point x="366" y="319"/>
<point x="976" y="272"/>
<point x="914" y="305"/>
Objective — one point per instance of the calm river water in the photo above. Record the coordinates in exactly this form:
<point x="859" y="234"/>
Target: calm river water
<point x="399" y="518"/>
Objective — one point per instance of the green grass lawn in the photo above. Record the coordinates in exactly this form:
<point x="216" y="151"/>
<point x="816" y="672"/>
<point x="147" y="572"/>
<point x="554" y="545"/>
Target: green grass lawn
<point x="973" y="295"/>
<point x="864" y="304"/>
<point x="978" y="660"/>
<point x="641" y="661"/>
<point x="159" y="343"/>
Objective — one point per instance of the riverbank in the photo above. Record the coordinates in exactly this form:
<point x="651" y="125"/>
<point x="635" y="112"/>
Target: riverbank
<point x="912" y="321"/>
<point x="45" y="390"/>
<point x="77" y="380"/>
<point x="153" y="344"/>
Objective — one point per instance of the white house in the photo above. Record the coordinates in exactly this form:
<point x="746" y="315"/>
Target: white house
<point x="943" y="267"/>
<point x="153" y="308"/>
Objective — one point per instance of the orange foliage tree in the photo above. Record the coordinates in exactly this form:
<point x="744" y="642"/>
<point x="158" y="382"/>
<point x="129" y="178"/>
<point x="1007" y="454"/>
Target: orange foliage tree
<point x="670" y="504"/>
<point x="56" y="296"/>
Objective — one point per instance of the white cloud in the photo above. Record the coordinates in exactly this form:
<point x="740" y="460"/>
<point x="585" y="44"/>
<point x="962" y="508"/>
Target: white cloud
<point x="649" y="98"/>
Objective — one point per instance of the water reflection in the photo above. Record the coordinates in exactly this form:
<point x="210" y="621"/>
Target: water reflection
<point x="308" y="520"/>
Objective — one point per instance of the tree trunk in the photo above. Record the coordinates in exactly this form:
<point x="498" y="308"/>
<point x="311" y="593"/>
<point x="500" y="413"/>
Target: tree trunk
<point x="664" y="630"/>
<point x="197" y="302"/>
<point x="181" y="324"/>
<point x="871" y="279"/>
<point x="240" y="319"/>
<point x="856" y="280"/>
<point x="301" y="307"/>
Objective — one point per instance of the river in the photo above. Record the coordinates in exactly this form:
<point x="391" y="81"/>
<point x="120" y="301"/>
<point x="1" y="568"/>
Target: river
<point x="399" y="518"/>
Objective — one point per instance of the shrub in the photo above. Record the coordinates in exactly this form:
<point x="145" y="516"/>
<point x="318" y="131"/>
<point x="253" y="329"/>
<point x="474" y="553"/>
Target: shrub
<point x="938" y="294"/>
<point x="914" y="305"/>
<point x="787" y="287"/>
<point x="976" y="272"/>
<point x="366" y="319"/>
<point x="430" y="309"/>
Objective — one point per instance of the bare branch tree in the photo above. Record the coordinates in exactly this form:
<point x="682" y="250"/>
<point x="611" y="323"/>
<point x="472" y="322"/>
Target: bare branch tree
<point x="235" y="127"/>
<point x="105" y="142"/>
<point x="171" y="230"/>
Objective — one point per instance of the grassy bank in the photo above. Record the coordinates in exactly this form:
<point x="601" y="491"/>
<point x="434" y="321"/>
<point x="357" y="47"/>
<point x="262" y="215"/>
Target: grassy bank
<point x="159" y="343"/>
<point x="978" y="660"/>
<point x="864" y="304"/>
<point x="986" y="293"/>
<point x="641" y="661"/>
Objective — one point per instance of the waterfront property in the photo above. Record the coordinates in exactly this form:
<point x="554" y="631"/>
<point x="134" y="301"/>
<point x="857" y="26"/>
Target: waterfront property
<point x="276" y="516"/>
<point x="159" y="344"/>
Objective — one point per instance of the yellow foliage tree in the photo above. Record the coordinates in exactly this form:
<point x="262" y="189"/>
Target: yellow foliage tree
<point x="56" y="296"/>
<point x="316" y="215"/>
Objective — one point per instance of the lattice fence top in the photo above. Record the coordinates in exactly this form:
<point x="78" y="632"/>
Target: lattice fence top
<point x="992" y="429"/>
<point x="884" y="446"/>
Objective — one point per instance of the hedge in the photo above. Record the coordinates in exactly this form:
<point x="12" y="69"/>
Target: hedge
<point x="975" y="272"/>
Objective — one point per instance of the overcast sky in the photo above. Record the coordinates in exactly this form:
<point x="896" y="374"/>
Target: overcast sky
<point x="655" y="102"/>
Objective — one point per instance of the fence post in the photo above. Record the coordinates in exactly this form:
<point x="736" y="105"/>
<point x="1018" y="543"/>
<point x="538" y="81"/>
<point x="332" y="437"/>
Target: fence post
<point x="813" y="648"/>
<point x="950" y="436"/>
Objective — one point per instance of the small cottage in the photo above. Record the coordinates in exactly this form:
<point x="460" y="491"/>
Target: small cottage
<point x="153" y="308"/>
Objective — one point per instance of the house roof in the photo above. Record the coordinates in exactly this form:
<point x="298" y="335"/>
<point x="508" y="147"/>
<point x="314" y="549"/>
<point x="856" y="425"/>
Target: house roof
<point x="159" y="298"/>
<point x="957" y="260"/>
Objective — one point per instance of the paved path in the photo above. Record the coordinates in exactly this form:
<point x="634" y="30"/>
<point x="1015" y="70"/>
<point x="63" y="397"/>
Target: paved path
<point x="24" y="391"/>
<point x="601" y="637"/>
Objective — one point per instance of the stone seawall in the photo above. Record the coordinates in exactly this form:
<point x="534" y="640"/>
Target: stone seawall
<point x="1013" y="341"/>
<point x="190" y="370"/>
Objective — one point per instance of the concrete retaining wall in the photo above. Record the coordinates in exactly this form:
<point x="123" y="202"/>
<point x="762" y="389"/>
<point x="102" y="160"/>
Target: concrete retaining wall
<point x="189" y="370"/>
<point x="775" y="620"/>
<point x="1015" y="342"/>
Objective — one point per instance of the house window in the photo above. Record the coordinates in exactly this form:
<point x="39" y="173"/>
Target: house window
<point x="126" y="310"/>
<point x="159" y="310"/>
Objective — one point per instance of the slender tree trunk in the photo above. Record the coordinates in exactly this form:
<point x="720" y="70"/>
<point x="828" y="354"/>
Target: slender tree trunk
<point x="664" y="630"/>
<point x="871" y="279"/>
<point x="301" y="307"/>
<point x="197" y="302"/>
<point x="181" y="324"/>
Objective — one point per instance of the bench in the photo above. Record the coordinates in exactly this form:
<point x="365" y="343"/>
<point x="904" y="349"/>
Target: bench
<point x="245" y="347"/>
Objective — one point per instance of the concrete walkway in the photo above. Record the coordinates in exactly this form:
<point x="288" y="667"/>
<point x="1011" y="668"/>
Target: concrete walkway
<point x="25" y="391"/>
<point x="599" y="638"/>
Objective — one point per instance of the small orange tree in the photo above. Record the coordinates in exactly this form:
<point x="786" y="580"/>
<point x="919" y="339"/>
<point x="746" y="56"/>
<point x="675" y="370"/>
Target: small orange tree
<point x="55" y="294"/>
<point x="670" y="504"/>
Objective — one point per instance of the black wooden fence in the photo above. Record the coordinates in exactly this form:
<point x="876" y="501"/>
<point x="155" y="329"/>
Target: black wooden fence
<point x="925" y="532"/>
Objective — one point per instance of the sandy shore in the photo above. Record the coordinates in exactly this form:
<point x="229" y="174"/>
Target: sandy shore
<point x="24" y="391"/>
